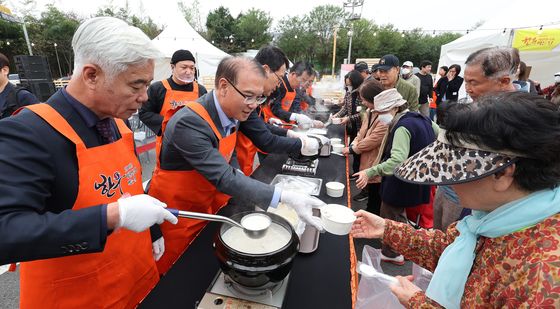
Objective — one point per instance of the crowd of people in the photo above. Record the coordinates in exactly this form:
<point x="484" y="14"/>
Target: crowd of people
<point x="466" y="188"/>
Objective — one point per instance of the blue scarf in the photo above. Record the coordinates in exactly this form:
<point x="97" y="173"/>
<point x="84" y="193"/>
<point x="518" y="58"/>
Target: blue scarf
<point x="454" y="266"/>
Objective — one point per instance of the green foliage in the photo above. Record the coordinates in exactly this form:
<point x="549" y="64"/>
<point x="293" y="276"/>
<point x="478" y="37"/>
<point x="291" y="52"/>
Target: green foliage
<point x="146" y="24"/>
<point x="191" y="11"/>
<point x="220" y="26"/>
<point x="251" y="30"/>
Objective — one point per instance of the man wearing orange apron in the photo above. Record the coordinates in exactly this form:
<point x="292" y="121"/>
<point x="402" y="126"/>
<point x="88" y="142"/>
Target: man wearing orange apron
<point x="274" y="62"/>
<point x="68" y="168"/>
<point x="286" y="105"/>
<point x="175" y="91"/>
<point x="194" y="171"/>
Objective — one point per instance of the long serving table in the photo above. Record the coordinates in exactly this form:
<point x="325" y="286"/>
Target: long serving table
<point x="321" y="279"/>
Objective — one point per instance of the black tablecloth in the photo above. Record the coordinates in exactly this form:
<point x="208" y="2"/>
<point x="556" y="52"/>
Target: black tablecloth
<point x="318" y="280"/>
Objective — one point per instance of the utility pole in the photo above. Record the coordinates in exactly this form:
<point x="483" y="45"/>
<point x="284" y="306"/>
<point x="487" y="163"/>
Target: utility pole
<point x="353" y="5"/>
<point x="334" y="50"/>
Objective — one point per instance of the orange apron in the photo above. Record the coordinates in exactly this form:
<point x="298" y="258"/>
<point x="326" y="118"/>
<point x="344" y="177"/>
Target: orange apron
<point x="175" y="98"/>
<point x="125" y="272"/>
<point x="286" y="104"/>
<point x="246" y="151"/>
<point x="304" y="105"/>
<point x="188" y="190"/>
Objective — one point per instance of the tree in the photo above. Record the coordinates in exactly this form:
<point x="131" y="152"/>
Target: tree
<point x="295" y="40"/>
<point x="221" y="27"/>
<point x="251" y="29"/>
<point x="322" y="20"/>
<point x="144" y="23"/>
<point x="192" y="15"/>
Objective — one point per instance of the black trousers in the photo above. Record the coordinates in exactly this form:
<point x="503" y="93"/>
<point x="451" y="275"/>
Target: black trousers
<point x="374" y="198"/>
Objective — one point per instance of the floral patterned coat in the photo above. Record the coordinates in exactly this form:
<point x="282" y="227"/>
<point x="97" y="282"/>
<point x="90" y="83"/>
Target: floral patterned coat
<point x="519" y="270"/>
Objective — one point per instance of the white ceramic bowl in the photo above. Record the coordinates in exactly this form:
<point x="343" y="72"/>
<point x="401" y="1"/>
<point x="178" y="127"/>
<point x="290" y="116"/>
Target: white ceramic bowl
<point x="337" y="219"/>
<point x="334" y="189"/>
<point x="337" y="148"/>
<point x="336" y="140"/>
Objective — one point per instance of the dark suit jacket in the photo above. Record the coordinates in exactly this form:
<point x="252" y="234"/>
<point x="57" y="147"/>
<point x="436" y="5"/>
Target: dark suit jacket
<point x="190" y="144"/>
<point x="39" y="186"/>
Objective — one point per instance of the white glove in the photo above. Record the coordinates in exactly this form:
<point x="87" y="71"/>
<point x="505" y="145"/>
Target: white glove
<point x="158" y="248"/>
<point x="318" y="124"/>
<point x="137" y="213"/>
<point x="309" y="146"/>
<point x="302" y="204"/>
<point x="303" y="121"/>
<point x="294" y="134"/>
<point x="275" y="121"/>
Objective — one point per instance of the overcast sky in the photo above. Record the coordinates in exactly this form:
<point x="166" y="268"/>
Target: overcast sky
<point x="404" y="14"/>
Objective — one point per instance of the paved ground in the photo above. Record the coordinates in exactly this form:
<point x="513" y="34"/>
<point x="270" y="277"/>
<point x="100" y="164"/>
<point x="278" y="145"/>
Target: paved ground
<point x="9" y="282"/>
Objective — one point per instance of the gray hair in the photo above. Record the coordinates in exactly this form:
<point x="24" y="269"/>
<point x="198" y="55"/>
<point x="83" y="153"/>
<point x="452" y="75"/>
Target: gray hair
<point x="496" y="61"/>
<point x="111" y="44"/>
<point x="230" y="67"/>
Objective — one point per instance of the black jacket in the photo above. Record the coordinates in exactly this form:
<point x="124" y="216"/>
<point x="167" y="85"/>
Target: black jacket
<point x="149" y="112"/>
<point x="449" y="89"/>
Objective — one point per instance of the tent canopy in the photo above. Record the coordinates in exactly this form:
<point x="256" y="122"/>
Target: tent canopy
<point x="518" y="15"/>
<point x="179" y="34"/>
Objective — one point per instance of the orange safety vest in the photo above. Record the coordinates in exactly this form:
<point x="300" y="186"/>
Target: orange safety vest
<point x="188" y="190"/>
<point x="175" y="98"/>
<point x="286" y="103"/>
<point x="125" y="272"/>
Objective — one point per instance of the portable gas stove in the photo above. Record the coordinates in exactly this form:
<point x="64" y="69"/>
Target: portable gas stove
<point x="225" y="293"/>
<point x="300" y="167"/>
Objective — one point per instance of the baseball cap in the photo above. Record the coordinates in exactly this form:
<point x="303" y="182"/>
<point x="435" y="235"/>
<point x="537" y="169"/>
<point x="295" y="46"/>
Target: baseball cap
<point x="408" y="64"/>
<point x="361" y="66"/>
<point x="388" y="61"/>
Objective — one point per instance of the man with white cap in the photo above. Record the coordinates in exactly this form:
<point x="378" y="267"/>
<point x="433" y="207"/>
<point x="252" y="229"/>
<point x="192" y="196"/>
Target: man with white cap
<point x="406" y="74"/>
<point x="409" y="132"/>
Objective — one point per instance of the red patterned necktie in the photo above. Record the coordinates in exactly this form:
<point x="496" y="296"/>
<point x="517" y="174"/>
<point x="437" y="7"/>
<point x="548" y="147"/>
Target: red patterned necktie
<point x="105" y="130"/>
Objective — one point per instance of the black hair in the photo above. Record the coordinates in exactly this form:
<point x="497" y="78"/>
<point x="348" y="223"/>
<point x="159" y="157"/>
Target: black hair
<point x="523" y="71"/>
<point x="302" y="66"/>
<point x="456" y="67"/>
<point x="445" y="68"/>
<point x="230" y="67"/>
<point x="356" y="79"/>
<point x="272" y="56"/>
<point x="516" y="121"/>
<point x="370" y="88"/>
<point x="4" y="61"/>
<point x="425" y="63"/>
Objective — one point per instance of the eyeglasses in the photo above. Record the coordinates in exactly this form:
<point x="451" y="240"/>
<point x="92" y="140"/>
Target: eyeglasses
<point x="279" y="78"/>
<point x="248" y="99"/>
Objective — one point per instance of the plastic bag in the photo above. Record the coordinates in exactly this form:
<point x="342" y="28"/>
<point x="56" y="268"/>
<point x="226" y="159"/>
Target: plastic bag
<point x="422" y="276"/>
<point x="373" y="290"/>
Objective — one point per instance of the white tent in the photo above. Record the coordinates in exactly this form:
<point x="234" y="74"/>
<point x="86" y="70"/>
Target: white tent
<point x="518" y="15"/>
<point x="179" y="34"/>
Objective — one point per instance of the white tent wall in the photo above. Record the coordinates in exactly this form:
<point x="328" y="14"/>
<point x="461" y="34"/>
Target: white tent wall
<point x="179" y="34"/>
<point x="516" y="16"/>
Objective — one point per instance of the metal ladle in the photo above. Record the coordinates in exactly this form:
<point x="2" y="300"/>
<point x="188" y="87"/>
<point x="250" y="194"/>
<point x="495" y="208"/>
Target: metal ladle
<point x="252" y="233"/>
